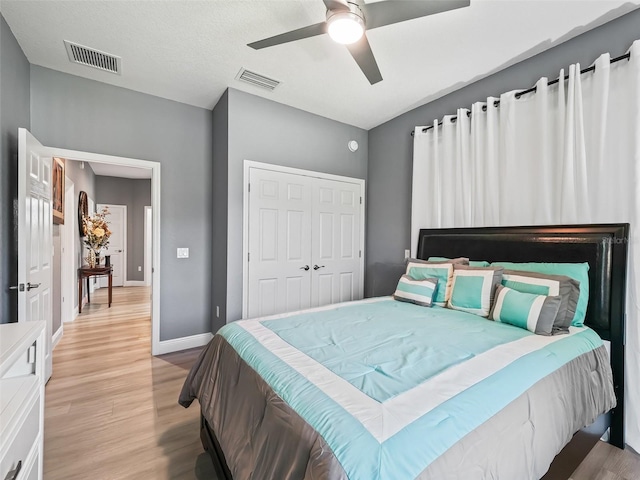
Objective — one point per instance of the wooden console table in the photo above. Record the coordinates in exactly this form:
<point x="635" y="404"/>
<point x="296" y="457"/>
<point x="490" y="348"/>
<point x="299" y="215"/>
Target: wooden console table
<point x="88" y="272"/>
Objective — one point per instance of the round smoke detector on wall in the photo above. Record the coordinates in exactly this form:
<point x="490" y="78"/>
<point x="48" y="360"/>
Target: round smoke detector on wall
<point x="353" y="145"/>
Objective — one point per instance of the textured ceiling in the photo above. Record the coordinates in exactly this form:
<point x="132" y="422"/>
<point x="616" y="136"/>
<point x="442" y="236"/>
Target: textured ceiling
<point x="190" y="51"/>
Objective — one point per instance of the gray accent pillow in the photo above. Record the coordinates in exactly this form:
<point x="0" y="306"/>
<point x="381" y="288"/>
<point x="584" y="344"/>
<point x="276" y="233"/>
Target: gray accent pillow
<point x="545" y="284"/>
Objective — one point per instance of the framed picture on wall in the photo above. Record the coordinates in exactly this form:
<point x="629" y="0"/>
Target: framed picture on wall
<point x="57" y="190"/>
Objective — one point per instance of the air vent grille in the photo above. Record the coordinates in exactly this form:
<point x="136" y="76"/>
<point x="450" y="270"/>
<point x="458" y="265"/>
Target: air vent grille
<point x="256" y="79"/>
<point x="93" y="58"/>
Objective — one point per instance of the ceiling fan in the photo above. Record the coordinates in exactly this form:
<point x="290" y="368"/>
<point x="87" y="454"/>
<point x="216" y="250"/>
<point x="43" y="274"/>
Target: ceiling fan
<point x="347" y="21"/>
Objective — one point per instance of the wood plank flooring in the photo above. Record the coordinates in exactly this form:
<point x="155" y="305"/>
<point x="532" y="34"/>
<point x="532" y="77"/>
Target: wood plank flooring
<point x="111" y="409"/>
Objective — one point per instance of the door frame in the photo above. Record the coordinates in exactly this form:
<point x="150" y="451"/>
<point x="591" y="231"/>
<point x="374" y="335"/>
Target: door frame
<point x="155" y="229"/>
<point x="68" y="231"/>
<point x="248" y="165"/>
<point x="148" y="248"/>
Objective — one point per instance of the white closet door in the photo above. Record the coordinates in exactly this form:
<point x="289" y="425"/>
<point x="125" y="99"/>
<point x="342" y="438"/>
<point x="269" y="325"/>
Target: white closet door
<point x="336" y="242"/>
<point x="279" y="242"/>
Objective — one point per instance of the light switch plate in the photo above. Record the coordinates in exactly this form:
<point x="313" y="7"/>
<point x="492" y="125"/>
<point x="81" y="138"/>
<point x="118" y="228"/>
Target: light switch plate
<point x="183" y="253"/>
<point x="407" y="254"/>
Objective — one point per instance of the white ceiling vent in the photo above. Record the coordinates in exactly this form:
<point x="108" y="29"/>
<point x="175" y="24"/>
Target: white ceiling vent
<point x="93" y="58"/>
<point x="256" y="79"/>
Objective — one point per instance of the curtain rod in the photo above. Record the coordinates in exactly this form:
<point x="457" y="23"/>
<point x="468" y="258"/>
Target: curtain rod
<point x="496" y="103"/>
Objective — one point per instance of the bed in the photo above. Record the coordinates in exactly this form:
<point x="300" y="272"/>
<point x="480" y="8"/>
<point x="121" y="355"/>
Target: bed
<point x="302" y="395"/>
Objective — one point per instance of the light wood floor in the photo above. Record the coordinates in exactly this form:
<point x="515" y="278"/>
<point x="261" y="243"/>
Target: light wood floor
<point x="111" y="409"/>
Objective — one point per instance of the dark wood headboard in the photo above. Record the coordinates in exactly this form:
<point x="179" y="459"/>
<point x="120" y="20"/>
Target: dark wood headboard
<point x="604" y="247"/>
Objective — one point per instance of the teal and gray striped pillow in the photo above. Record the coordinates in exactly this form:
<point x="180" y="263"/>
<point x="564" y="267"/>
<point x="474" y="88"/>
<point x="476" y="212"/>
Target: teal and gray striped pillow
<point x="565" y="287"/>
<point x="577" y="271"/>
<point x="420" y="292"/>
<point x="532" y="312"/>
<point x="421" y="270"/>
<point x="473" y="289"/>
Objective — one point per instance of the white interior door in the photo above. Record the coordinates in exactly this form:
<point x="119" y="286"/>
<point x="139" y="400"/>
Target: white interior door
<point x="117" y="220"/>
<point x="35" y="241"/>
<point x="337" y="258"/>
<point x="279" y="257"/>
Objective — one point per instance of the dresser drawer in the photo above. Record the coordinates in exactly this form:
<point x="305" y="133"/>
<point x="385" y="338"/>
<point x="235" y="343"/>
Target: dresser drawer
<point x="23" y="442"/>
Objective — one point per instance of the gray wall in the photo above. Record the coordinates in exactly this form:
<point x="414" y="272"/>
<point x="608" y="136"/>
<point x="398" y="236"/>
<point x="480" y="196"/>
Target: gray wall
<point x="391" y="146"/>
<point x="220" y="203"/>
<point x="83" y="180"/>
<point x="14" y="113"/>
<point x="80" y="114"/>
<point x="269" y="132"/>
<point x="135" y="194"/>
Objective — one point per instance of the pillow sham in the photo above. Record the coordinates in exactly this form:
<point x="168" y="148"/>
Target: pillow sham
<point x="471" y="263"/>
<point x="565" y="287"/>
<point x="420" y="292"/>
<point x="532" y="312"/>
<point x="577" y="271"/>
<point x="473" y="289"/>
<point x="443" y="272"/>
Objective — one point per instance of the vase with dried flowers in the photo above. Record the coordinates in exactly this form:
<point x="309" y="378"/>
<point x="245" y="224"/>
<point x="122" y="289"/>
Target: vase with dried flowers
<point x="97" y="233"/>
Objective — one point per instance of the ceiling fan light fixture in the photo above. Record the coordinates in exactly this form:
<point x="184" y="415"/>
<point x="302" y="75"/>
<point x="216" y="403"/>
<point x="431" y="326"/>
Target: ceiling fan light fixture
<point x="345" y="27"/>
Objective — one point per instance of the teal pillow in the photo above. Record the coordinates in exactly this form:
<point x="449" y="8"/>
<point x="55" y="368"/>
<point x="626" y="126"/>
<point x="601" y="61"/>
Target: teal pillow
<point x="443" y="272"/>
<point x="532" y="312"/>
<point x="577" y="271"/>
<point x="472" y="263"/>
<point x="420" y="292"/>
<point x="473" y="288"/>
<point x="565" y="287"/>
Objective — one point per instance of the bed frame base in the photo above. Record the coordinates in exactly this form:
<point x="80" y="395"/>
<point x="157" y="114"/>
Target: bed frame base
<point x="212" y="447"/>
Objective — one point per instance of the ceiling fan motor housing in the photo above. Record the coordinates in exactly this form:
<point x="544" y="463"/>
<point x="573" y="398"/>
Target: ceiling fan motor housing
<point x="354" y="12"/>
<point x="346" y="25"/>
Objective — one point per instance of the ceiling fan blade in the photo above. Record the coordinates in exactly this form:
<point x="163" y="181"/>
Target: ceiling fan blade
<point x="293" y="35"/>
<point x="388" y="12"/>
<point x="362" y="54"/>
<point x="336" y="4"/>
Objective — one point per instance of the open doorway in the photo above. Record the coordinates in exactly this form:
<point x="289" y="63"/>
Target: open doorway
<point x="110" y="169"/>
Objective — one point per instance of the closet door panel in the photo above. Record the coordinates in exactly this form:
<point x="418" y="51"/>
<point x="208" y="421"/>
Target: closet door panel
<point x="279" y="242"/>
<point x="336" y="242"/>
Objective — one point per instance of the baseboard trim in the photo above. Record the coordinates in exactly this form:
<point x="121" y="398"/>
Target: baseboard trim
<point x="56" y="337"/>
<point x="134" y="283"/>
<point x="74" y="315"/>
<point x="183" y="343"/>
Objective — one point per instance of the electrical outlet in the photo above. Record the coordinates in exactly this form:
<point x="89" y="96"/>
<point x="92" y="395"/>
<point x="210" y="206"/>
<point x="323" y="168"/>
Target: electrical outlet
<point x="407" y="254"/>
<point x="183" y="253"/>
<point x="217" y="311"/>
<point x="139" y="268"/>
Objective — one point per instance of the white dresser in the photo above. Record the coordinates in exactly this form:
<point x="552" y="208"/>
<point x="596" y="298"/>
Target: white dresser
<point x="21" y="400"/>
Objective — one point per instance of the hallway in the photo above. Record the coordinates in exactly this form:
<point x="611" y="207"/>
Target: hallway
<point x="111" y="409"/>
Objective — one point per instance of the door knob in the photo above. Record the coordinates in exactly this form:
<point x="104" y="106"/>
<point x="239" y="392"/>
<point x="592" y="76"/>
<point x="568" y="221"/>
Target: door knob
<point x="20" y="287"/>
<point x="31" y="286"/>
<point x="305" y="268"/>
<point x="316" y="267"/>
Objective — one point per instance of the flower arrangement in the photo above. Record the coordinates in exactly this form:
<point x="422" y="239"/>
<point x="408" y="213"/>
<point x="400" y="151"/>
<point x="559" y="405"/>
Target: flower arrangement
<point x="97" y="233"/>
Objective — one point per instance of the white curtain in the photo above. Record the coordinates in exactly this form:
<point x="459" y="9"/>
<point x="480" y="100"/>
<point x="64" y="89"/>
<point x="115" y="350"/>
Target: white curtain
<point x="568" y="153"/>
